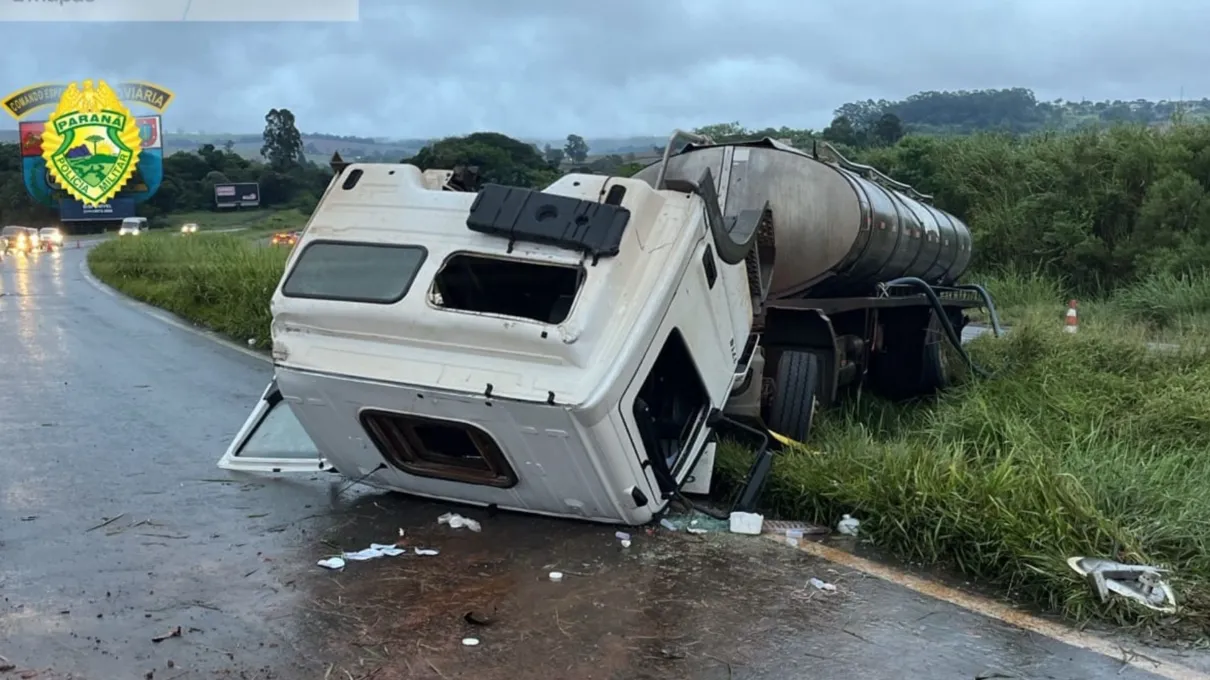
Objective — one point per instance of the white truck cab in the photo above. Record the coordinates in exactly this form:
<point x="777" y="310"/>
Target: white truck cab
<point x="560" y="352"/>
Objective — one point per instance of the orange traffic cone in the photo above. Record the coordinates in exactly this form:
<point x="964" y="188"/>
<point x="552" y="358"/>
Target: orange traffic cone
<point x="1072" y="320"/>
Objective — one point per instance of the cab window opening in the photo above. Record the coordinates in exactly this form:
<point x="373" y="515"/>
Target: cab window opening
<point x="537" y="291"/>
<point x="670" y="408"/>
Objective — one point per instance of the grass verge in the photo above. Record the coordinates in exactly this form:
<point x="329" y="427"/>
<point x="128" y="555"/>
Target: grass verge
<point x="221" y="281"/>
<point x="1085" y="444"/>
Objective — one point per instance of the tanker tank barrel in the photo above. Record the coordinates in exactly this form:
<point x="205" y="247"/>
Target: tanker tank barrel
<point x="839" y="228"/>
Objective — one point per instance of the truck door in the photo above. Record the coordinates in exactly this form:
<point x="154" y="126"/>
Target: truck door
<point x="272" y="440"/>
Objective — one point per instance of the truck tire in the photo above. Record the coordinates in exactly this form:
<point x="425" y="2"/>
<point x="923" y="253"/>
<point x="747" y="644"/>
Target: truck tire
<point x="793" y="406"/>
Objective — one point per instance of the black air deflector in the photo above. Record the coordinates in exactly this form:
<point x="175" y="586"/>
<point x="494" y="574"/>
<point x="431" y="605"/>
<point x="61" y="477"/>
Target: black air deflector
<point x="527" y="215"/>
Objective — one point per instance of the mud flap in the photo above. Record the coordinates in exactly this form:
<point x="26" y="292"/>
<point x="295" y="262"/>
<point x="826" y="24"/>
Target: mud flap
<point x="272" y="440"/>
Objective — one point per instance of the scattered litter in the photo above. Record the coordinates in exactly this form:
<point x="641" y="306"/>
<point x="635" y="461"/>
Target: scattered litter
<point x="746" y="523"/>
<point x="175" y="632"/>
<point x="793" y="536"/>
<point x="667" y="525"/>
<point x="401" y="532"/>
<point x="1139" y="582"/>
<point x="373" y="552"/>
<point x="622" y="536"/>
<point x="29" y="518"/>
<point x="6" y="665"/>
<point x="457" y="521"/>
<point x="821" y="585"/>
<point x="695" y="530"/>
<point x="556" y="576"/>
<point x="848" y="526"/>
<point x="626" y="543"/>
<point x="107" y="522"/>
<point x="427" y="551"/>
<point x="252" y="342"/>
<point x="470" y="642"/>
<point x="332" y="563"/>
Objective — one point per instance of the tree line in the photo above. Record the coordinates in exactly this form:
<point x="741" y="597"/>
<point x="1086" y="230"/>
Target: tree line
<point x="1099" y="207"/>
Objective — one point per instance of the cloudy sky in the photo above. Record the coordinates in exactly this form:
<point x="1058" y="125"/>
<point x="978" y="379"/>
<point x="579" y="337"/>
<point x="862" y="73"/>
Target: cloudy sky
<point x="546" y="68"/>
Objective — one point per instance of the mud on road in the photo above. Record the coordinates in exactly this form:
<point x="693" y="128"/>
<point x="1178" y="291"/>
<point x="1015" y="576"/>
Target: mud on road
<point x="116" y="528"/>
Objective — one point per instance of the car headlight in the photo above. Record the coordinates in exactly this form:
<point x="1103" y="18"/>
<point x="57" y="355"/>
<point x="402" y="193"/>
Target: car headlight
<point x="57" y="238"/>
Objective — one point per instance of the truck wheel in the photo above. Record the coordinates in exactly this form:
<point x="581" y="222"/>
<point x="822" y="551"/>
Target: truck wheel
<point x="793" y="406"/>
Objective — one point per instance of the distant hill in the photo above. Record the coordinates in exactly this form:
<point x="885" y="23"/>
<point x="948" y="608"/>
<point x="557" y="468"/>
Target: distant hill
<point x="961" y="112"/>
<point x="320" y="146"/>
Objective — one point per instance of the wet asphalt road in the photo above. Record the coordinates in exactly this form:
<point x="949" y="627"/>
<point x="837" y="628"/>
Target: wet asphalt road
<point x="108" y="413"/>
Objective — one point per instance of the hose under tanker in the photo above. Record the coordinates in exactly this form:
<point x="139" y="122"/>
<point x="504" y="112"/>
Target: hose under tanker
<point x="951" y="333"/>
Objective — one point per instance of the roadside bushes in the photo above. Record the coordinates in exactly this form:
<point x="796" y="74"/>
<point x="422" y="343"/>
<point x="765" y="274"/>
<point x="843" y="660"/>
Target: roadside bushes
<point x="222" y="282"/>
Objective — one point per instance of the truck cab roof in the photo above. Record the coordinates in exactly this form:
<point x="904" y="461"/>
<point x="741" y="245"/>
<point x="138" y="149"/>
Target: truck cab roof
<point x="388" y="282"/>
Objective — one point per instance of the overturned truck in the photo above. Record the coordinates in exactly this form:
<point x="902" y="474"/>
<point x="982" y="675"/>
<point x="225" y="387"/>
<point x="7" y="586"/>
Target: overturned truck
<point x="576" y="351"/>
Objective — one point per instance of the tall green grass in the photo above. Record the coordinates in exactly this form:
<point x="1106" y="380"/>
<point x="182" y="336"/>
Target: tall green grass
<point x="220" y="281"/>
<point x="1087" y="444"/>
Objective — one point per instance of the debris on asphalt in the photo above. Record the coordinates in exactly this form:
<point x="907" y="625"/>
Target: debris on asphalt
<point x="793" y="536"/>
<point x="427" y="551"/>
<point x="696" y="530"/>
<point x="6" y="665"/>
<point x="556" y="576"/>
<point x="470" y="642"/>
<point x="107" y="522"/>
<point x="821" y="585"/>
<point x="175" y="632"/>
<point x="457" y="521"/>
<point x="332" y="563"/>
<point x="1139" y="582"/>
<point x="373" y="552"/>
<point x="848" y="525"/>
<point x="624" y="538"/>
<point x="667" y="524"/>
<point x="746" y="523"/>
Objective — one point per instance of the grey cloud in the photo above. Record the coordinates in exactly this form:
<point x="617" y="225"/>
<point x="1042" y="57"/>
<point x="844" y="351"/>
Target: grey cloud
<point x="543" y="68"/>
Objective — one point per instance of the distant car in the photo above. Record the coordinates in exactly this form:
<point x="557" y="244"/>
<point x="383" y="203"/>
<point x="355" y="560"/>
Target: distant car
<point x="50" y="237"/>
<point x="20" y="239"/>
<point x="189" y="228"/>
<point x="133" y="226"/>
<point x="285" y="238"/>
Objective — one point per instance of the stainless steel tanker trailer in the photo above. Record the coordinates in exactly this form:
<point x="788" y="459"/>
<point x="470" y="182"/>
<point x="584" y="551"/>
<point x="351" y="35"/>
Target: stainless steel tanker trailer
<point x="854" y="278"/>
<point x="577" y="350"/>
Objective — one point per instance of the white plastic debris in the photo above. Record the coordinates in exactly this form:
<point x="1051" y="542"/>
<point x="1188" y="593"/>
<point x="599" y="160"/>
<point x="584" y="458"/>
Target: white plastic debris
<point x="793" y="536"/>
<point x="667" y="524"/>
<point x="427" y="551"/>
<point x="695" y="530"/>
<point x="374" y="552"/>
<point x="821" y="585"/>
<point x="624" y="538"/>
<point x="401" y="532"/>
<point x="556" y="576"/>
<point x="849" y="526"/>
<point x="457" y="521"/>
<point x="470" y="642"/>
<point x="746" y="523"/>
<point x="1139" y="582"/>
<point x="626" y="543"/>
<point x="332" y="563"/>
<point x="251" y="342"/>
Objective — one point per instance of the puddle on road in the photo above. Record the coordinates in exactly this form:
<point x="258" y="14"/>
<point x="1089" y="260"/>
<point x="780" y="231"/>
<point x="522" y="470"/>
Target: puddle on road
<point x="671" y="604"/>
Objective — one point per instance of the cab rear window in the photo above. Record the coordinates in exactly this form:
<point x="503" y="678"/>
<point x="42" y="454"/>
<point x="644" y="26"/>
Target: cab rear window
<point x="354" y="272"/>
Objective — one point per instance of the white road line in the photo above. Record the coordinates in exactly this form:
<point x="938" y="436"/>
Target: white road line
<point x="167" y="318"/>
<point x="998" y="611"/>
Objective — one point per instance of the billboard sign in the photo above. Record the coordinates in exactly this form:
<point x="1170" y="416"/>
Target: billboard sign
<point x="237" y="195"/>
<point x="71" y="210"/>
